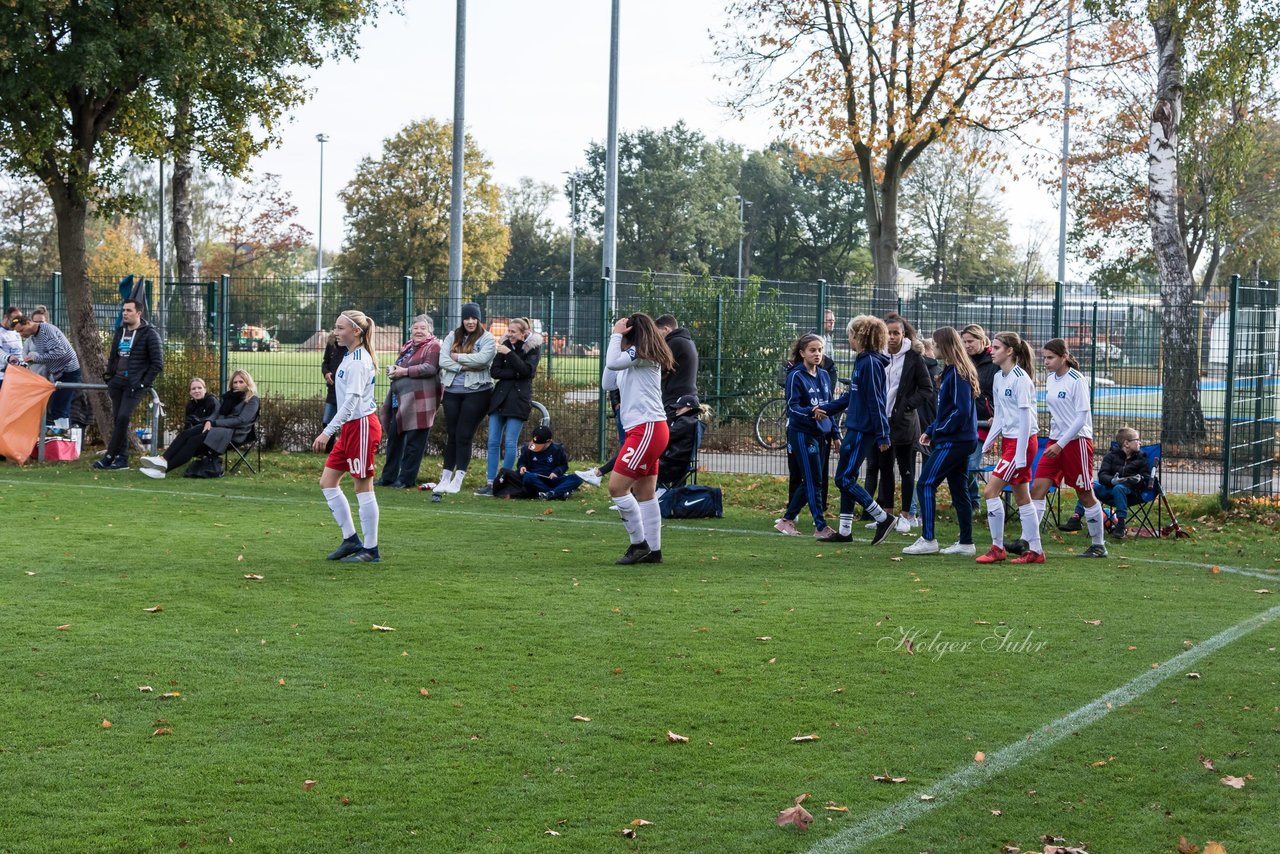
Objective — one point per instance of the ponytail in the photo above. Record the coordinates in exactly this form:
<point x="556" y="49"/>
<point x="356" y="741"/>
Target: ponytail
<point x="365" y="324"/>
<point x="1058" y="347"/>
<point x="1022" y="355"/>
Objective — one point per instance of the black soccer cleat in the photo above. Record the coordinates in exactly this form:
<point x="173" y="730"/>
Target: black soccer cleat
<point x="883" y="529"/>
<point x="364" y="556"/>
<point x="1017" y="547"/>
<point x="104" y="463"/>
<point x="636" y="552"/>
<point x="838" y="537"/>
<point x="1071" y="525"/>
<point x="349" y="546"/>
<point x="1094" y="550"/>
<point x="655" y="556"/>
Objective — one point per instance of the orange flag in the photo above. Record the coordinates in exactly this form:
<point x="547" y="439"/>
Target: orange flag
<point x="22" y="400"/>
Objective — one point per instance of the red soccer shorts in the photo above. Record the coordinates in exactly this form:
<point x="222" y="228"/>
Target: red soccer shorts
<point x="356" y="450"/>
<point x="638" y="456"/>
<point x="1074" y="466"/>
<point x="1008" y="449"/>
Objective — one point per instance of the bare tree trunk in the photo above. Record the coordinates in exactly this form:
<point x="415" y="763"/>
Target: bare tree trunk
<point x="881" y="205"/>
<point x="192" y="297"/>
<point x="72" y="210"/>
<point x="1182" y="417"/>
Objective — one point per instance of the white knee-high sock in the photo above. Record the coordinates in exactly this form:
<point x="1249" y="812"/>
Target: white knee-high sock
<point x="368" y="518"/>
<point x="995" y="521"/>
<point x="1031" y="527"/>
<point x="341" y="510"/>
<point x="1038" y="503"/>
<point x="651" y="518"/>
<point x="629" y="510"/>
<point x="1094" y="522"/>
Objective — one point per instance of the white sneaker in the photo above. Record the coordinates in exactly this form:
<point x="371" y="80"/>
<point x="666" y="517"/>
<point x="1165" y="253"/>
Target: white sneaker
<point x="456" y="486"/>
<point x="871" y="526"/>
<point x="922" y="547"/>
<point x="591" y="476"/>
<point x="903" y="526"/>
<point x="961" y="549"/>
<point x="158" y="462"/>
<point x="446" y="478"/>
<point x="155" y="474"/>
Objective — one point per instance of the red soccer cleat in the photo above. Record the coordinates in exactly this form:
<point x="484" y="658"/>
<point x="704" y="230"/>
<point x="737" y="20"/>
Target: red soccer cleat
<point x="1029" y="557"/>
<point x="995" y="555"/>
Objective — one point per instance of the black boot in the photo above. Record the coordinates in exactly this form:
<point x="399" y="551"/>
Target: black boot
<point x="636" y="552"/>
<point x="1071" y="525"/>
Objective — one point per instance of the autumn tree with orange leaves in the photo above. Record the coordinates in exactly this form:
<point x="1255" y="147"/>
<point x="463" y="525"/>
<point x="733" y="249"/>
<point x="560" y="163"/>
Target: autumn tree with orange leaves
<point x="878" y="82"/>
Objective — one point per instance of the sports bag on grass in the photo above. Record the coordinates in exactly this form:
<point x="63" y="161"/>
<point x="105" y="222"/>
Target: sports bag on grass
<point x="692" y="502"/>
<point x="205" y="466"/>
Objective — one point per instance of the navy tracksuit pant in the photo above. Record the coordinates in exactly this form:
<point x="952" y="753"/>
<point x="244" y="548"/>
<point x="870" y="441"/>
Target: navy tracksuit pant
<point x="811" y="454"/>
<point x="949" y="461"/>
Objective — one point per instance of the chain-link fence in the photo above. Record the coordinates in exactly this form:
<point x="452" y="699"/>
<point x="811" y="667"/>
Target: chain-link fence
<point x="276" y="329"/>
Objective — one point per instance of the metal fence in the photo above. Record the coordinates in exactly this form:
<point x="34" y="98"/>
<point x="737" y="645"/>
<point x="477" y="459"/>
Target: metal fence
<point x="276" y="329"/>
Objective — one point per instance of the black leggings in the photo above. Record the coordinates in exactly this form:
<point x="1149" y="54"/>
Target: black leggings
<point x="184" y="446"/>
<point x="880" y="474"/>
<point x="463" y="414"/>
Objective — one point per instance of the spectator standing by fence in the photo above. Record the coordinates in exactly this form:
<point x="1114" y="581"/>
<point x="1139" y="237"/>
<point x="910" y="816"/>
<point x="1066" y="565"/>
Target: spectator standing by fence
<point x="409" y="411"/>
<point x="54" y="353"/>
<point x="682" y="379"/>
<point x="465" y="358"/>
<point x="514" y="364"/>
<point x="134" y="364"/>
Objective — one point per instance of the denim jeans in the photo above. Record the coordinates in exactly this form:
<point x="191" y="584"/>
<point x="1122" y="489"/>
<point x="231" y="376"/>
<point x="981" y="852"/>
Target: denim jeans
<point x="504" y="436"/>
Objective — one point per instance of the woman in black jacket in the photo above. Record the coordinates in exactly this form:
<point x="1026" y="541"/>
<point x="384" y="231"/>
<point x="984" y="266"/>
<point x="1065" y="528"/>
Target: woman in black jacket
<point x="978" y="346"/>
<point x="513" y="368"/>
<point x="908" y="388"/>
<point x="233" y="421"/>
<point x="201" y="406"/>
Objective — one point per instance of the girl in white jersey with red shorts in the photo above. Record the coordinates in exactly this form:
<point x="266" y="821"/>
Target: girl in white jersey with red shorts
<point x="1070" y="458"/>
<point x="636" y="358"/>
<point x="359" y="433"/>
<point x="1014" y="393"/>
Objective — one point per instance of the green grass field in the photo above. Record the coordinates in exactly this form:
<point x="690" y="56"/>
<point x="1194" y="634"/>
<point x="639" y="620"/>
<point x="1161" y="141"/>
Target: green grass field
<point x="456" y="731"/>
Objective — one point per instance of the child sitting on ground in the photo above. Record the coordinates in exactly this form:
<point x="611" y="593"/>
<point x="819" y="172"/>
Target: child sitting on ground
<point x="542" y="465"/>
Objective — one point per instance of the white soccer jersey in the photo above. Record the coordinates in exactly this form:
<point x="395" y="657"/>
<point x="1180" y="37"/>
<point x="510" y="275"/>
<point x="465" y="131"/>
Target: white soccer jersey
<point x="1013" y="391"/>
<point x="1068" y="399"/>
<point x="638" y="381"/>
<point x="353" y="388"/>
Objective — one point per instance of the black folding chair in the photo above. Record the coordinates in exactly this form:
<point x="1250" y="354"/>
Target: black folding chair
<point x="1150" y="506"/>
<point x="241" y="451"/>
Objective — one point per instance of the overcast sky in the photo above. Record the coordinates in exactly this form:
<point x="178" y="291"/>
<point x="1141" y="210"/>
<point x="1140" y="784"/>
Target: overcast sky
<point x="536" y="93"/>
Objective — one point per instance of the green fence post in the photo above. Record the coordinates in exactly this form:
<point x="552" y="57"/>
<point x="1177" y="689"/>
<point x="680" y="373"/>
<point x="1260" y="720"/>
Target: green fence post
<point x="550" y="342"/>
<point x="1258" y="333"/>
<point x="1233" y="306"/>
<point x="406" y="309"/>
<point x="1058" y="290"/>
<point x="55" y="285"/>
<point x="150" y="290"/>
<point x="211" y="309"/>
<point x="1093" y="355"/>
<point x="224" y="318"/>
<point x="7" y="295"/>
<point x="822" y="307"/>
<point x="604" y="345"/>
<point x="719" y="339"/>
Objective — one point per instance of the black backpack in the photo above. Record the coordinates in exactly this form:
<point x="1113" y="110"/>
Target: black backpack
<point x="206" y="465"/>
<point x="692" y="502"/>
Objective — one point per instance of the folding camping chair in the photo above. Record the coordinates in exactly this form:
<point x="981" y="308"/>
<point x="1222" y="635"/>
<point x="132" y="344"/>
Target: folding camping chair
<point x="689" y="474"/>
<point x="1151" y="501"/>
<point x="242" y="450"/>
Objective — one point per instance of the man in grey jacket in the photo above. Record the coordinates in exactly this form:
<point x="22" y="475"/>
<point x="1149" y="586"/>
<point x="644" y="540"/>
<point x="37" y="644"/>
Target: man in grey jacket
<point x="133" y="365"/>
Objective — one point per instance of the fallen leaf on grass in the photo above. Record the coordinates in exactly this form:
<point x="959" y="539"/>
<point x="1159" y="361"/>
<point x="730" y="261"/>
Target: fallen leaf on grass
<point x="308" y="785"/>
<point x="1102" y="762"/>
<point x="997" y="812"/>
<point x="345" y="801"/>
<point x="1207" y="763"/>
<point x="146" y="689"/>
<point x="926" y="797"/>
<point x="1132" y="648"/>
<point x="1215" y="569"/>
<point x="164" y="730"/>
<point x="895" y="558"/>
<point x="838" y="691"/>
<point x="106" y="724"/>
<point x="1262" y="590"/>
<point x="240" y="557"/>
<point x="981" y="623"/>
<point x="378" y="628"/>
<point x="799" y="738"/>
<point x="280" y="682"/>
<point x="423" y="692"/>
<point x="797" y="816"/>
<point x="1214" y="848"/>
<point x="581" y="719"/>
<point x="64" y="627"/>
<point x="676" y="738"/>
<point x="1094" y="622"/>
<point x="979" y="757"/>
<point x="153" y="610"/>
<point x="1233" y="782"/>
<point x="885" y="778"/>
<point x="1193" y="675"/>
<point x="170" y="695"/>
<point x="911" y="647"/>
<point x="589" y="513"/>
<point x="830" y="807"/>
<point x="29" y="572"/>
<point x="639" y="822"/>
<point x="253" y="577"/>
<point x="629" y="832"/>
<point x="550" y="833"/>
<point x="765" y="638"/>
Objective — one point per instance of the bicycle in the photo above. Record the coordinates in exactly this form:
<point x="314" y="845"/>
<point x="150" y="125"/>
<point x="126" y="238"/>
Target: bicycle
<point x="771" y="423"/>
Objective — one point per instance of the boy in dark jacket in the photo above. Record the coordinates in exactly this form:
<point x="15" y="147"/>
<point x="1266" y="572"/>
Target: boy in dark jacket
<point x="542" y="465"/>
<point x="1123" y="474"/>
<point x="135" y="362"/>
<point x="683" y="378"/>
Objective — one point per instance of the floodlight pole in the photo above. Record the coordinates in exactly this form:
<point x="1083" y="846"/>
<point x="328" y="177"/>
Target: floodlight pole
<point x="322" y="139"/>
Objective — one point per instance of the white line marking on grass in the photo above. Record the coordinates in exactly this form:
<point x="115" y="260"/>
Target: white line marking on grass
<point x="888" y="820"/>
<point x="1272" y="576"/>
